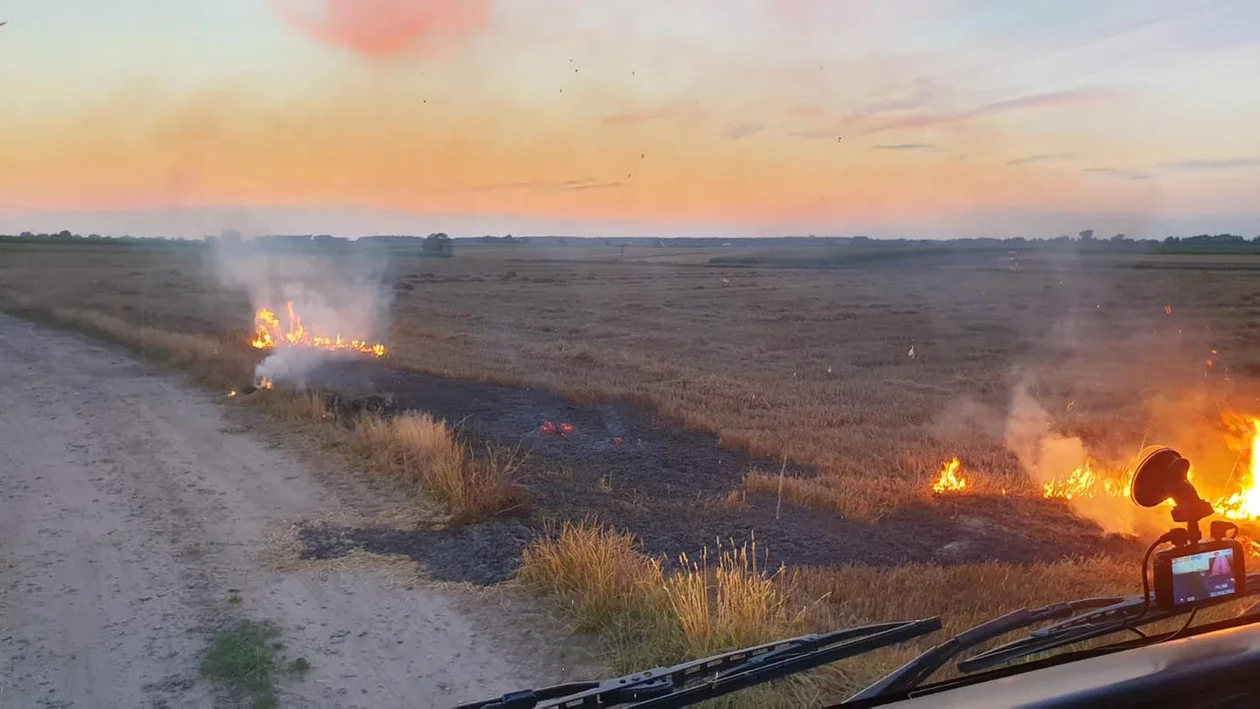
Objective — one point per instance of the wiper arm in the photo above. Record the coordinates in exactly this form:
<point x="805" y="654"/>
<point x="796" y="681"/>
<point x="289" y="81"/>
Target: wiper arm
<point x="916" y="671"/>
<point x="717" y="675"/>
<point x="1128" y="614"/>
<point x="1131" y="613"/>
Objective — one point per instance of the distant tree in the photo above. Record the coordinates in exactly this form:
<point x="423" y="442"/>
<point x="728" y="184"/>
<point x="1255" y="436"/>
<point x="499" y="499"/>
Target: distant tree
<point x="1256" y="240"/>
<point x="65" y="234"/>
<point x="1172" y="240"/>
<point x="1119" y="238"/>
<point x="438" y="244"/>
<point x="94" y="237"/>
<point x="28" y="235"/>
<point x="1087" y="235"/>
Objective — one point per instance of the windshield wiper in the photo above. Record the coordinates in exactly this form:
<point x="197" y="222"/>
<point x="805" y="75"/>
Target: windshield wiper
<point x="916" y="671"/>
<point x="1079" y="621"/>
<point x="699" y="680"/>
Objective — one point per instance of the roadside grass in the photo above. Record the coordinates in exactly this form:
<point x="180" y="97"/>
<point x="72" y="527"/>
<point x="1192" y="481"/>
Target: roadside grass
<point x="425" y="453"/>
<point x="648" y="612"/>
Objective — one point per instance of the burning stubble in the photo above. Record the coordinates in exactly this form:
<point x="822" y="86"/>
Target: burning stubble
<point x="382" y="28"/>
<point x="309" y="307"/>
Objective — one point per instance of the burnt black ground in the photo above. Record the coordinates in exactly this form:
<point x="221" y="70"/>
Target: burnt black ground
<point x="664" y="484"/>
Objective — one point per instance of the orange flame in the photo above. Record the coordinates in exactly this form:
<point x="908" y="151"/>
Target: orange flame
<point x="1245" y="504"/>
<point x="269" y="333"/>
<point x="1086" y="482"/>
<point x="950" y="480"/>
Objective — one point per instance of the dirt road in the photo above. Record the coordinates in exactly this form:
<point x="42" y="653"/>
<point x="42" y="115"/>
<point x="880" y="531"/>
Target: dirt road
<point x="132" y="513"/>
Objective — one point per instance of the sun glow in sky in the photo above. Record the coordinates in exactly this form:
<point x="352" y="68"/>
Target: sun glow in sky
<point x="927" y="118"/>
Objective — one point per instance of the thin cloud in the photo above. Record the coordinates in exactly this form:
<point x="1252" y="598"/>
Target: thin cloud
<point x="923" y="147"/>
<point x="1212" y="165"/>
<point x="1042" y="158"/>
<point x="817" y="133"/>
<point x="632" y="117"/>
<point x="598" y="186"/>
<point x="1049" y="99"/>
<point x="1118" y="173"/>
<point x="743" y="130"/>
<point x="585" y="183"/>
<point x="676" y="111"/>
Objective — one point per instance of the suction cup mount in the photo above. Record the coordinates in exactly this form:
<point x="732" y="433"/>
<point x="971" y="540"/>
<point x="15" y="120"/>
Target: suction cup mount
<point x="1161" y="475"/>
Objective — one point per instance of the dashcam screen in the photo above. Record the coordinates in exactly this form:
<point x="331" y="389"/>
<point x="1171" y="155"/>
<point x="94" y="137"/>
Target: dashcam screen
<point x="1198" y="577"/>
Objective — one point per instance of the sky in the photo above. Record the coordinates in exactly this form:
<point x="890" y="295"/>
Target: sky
<point x="889" y="118"/>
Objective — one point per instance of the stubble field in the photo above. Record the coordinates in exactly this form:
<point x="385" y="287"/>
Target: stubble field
<point x="810" y="408"/>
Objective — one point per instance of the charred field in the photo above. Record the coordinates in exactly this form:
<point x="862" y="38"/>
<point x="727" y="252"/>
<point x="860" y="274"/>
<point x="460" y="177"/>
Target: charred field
<point x="677" y="490"/>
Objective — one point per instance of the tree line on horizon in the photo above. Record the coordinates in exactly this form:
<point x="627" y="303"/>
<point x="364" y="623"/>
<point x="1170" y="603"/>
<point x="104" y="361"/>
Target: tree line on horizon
<point x="443" y="245"/>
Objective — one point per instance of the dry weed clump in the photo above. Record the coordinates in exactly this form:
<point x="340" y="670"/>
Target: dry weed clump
<point x="650" y="615"/>
<point x="427" y="454"/>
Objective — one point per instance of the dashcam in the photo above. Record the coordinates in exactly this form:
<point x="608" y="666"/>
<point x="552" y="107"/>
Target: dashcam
<point x="1206" y="571"/>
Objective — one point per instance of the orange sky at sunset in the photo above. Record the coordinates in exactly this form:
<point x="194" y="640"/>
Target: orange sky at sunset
<point x="645" y="118"/>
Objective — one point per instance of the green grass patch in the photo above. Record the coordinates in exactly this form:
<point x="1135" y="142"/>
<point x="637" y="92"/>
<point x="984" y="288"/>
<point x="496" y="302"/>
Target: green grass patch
<point x="243" y="659"/>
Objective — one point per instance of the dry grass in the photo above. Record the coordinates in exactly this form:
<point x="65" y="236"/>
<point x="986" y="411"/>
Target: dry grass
<point x="812" y="364"/>
<point x="427" y="454"/>
<point x="649" y="615"/>
<point x="214" y="360"/>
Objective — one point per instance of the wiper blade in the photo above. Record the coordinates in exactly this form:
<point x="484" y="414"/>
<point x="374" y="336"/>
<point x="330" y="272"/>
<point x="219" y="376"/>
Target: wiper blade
<point x="916" y="671"/>
<point x="1131" y="613"/>
<point x="698" y="680"/>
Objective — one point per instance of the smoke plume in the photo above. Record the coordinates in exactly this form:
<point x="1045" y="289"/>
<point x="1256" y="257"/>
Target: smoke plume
<point x="382" y="28"/>
<point x="335" y="293"/>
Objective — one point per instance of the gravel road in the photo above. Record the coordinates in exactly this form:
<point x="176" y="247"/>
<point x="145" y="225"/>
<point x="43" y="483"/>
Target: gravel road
<point x="133" y="507"/>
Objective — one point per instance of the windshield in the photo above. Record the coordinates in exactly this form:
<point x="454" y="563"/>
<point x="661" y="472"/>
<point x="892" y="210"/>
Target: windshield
<point x="660" y="329"/>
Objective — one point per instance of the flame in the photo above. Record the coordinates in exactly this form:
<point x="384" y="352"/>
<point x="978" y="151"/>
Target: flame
<point x="1086" y="482"/>
<point x="265" y="383"/>
<point x="1245" y="504"/>
<point x="269" y="332"/>
<point x="950" y="480"/>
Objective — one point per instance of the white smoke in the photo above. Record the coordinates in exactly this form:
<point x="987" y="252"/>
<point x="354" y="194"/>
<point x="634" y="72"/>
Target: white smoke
<point x="335" y="289"/>
<point x="1046" y="454"/>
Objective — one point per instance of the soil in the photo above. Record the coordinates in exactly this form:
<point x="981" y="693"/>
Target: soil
<point x="625" y="465"/>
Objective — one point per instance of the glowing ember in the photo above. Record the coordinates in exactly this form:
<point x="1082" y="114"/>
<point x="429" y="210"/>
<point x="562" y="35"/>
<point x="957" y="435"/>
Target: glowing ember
<point x="265" y="383"/>
<point x="269" y="333"/>
<point x="950" y="480"/>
